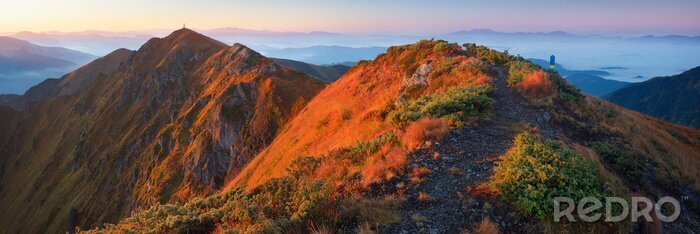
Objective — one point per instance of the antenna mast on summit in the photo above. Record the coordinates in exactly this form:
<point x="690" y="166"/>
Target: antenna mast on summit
<point x="183" y="25"/>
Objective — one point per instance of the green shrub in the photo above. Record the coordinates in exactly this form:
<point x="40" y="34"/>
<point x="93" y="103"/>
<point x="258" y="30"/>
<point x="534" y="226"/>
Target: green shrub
<point x="414" y="54"/>
<point x="456" y="104"/>
<point x="620" y="161"/>
<point x="517" y="70"/>
<point x="303" y="166"/>
<point x="443" y="67"/>
<point x="678" y="136"/>
<point x="493" y="56"/>
<point x="358" y="153"/>
<point x="567" y="92"/>
<point x="531" y="174"/>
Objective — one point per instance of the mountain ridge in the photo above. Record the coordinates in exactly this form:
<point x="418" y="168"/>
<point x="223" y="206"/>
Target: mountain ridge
<point x="415" y="137"/>
<point x="164" y="123"/>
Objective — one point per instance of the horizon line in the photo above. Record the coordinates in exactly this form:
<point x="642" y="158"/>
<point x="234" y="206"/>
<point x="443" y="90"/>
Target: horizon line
<point x="140" y="32"/>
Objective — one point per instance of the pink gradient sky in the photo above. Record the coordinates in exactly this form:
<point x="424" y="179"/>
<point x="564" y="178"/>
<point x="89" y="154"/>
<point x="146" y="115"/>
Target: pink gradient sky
<point x="617" y="17"/>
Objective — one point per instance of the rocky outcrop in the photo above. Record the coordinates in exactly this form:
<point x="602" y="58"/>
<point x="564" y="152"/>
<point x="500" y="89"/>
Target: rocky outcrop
<point x="419" y="79"/>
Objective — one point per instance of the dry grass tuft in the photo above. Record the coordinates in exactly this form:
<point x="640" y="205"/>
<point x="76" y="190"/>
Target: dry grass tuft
<point x="537" y="85"/>
<point x="421" y="171"/>
<point x="322" y="229"/>
<point x="419" y="218"/>
<point x="425" y="198"/>
<point x="485" y="227"/>
<point x="375" y="212"/>
<point x="455" y="171"/>
<point x="380" y="168"/>
<point x="423" y="130"/>
<point x="364" y="228"/>
<point x="482" y="190"/>
<point x="328" y="169"/>
<point x="418" y="174"/>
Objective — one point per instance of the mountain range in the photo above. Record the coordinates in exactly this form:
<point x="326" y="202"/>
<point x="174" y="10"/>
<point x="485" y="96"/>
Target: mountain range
<point x="188" y="134"/>
<point x="23" y="64"/>
<point x="319" y="48"/>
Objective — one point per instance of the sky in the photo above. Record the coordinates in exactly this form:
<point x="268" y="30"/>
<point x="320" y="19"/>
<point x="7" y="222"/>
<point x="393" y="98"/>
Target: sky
<point x="611" y="17"/>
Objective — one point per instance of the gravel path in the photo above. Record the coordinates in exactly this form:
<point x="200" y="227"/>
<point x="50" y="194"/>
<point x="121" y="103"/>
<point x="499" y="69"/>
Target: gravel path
<point x="464" y="161"/>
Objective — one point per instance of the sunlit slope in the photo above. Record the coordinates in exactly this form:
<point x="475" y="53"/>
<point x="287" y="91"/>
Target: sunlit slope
<point x="354" y="108"/>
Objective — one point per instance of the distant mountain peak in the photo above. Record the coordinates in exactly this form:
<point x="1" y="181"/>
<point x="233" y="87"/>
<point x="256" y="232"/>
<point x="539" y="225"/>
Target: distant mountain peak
<point x="190" y="36"/>
<point x="482" y="30"/>
<point x="181" y="46"/>
<point x="183" y="37"/>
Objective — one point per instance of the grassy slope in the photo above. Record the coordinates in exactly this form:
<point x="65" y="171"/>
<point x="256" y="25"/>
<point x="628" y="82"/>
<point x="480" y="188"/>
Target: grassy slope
<point x="366" y="91"/>
<point x="353" y="110"/>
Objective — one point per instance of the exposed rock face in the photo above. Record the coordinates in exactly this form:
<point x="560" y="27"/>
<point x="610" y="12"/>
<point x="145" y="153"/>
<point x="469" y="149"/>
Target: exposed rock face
<point x="161" y="124"/>
<point x="419" y="79"/>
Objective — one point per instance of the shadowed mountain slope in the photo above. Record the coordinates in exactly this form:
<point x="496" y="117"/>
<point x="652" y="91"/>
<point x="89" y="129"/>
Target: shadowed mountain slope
<point x="327" y="73"/>
<point x="673" y="98"/>
<point x="167" y="122"/>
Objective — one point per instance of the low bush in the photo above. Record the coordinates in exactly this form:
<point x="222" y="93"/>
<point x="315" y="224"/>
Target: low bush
<point x="372" y="211"/>
<point x="358" y="153"/>
<point x="456" y="105"/>
<point x="567" y="92"/>
<point x="384" y="166"/>
<point x="303" y="166"/>
<point x="622" y="162"/>
<point x="532" y="173"/>
<point x="277" y="206"/>
<point x="678" y="136"/>
<point x="423" y="130"/>
<point x="493" y="56"/>
<point x="485" y="227"/>
<point x="518" y="70"/>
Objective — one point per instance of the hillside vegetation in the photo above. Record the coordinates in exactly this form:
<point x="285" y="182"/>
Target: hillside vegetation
<point x="379" y="151"/>
<point x="428" y="137"/>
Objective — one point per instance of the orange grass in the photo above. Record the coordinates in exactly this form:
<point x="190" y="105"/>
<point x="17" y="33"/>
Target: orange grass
<point x="366" y="91"/>
<point x="423" y="130"/>
<point x="537" y="85"/>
